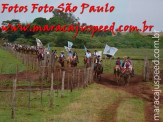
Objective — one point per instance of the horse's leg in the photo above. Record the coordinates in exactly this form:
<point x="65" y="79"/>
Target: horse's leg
<point x="128" y="80"/>
<point x="99" y="77"/>
<point x="116" y="75"/>
<point x="95" y="73"/>
<point x="119" y="78"/>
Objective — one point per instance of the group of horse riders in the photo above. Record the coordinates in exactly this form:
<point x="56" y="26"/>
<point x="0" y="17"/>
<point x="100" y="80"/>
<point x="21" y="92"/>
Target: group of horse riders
<point x="23" y="48"/>
<point x="72" y="58"/>
<point x="124" y="66"/>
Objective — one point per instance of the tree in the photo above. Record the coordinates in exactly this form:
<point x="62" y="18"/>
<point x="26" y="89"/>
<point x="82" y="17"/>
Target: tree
<point x="57" y="21"/>
<point x="40" y="21"/>
<point x="11" y="36"/>
<point x="12" y="22"/>
<point x="69" y="18"/>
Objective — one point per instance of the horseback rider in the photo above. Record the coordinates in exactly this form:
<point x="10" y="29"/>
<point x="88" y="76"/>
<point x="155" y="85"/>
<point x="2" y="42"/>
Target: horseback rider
<point x="131" y="66"/>
<point x="70" y="54"/>
<point x="95" y="53"/>
<point x="98" y="61"/>
<point x="40" y="53"/>
<point x="54" y="53"/>
<point x="62" y="58"/>
<point x="62" y="55"/>
<point x="75" y="56"/>
<point x="74" y="60"/>
<point x="88" y="56"/>
<point x="118" y="63"/>
<point x="128" y="65"/>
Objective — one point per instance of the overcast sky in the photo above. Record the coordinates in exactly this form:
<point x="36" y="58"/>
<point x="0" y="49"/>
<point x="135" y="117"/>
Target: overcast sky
<point x="126" y="12"/>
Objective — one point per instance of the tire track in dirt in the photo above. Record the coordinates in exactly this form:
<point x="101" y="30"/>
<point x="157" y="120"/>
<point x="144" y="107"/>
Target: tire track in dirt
<point x="110" y="114"/>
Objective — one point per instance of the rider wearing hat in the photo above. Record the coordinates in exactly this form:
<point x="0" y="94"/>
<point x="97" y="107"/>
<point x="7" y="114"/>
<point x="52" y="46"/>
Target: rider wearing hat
<point x="88" y="54"/>
<point x="62" y="55"/>
<point x="98" y="62"/>
<point x="87" y="57"/>
<point x="128" y="65"/>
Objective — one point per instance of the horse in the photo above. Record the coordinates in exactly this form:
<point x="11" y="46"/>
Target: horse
<point x="62" y="61"/>
<point x="117" y="73"/>
<point x="69" y="60"/>
<point x="74" y="61"/>
<point x="127" y="76"/>
<point x="40" y="56"/>
<point x="87" y="62"/>
<point x="98" y="71"/>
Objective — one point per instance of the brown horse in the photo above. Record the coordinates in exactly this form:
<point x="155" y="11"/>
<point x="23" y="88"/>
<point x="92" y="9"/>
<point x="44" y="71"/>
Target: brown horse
<point x="87" y="62"/>
<point x="62" y="61"/>
<point x="69" y="60"/>
<point x="117" y="73"/>
<point x="74" y="61"/>
<point x="98" y="71"/>
<point x="127" y="76"/>
<point x="40" y="56"/>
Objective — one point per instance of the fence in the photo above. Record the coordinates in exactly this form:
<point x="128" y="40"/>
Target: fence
<point x="59" y="78"/>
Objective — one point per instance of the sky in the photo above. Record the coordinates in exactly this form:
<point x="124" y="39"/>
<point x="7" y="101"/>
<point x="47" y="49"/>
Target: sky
<point x="126" y="12"/>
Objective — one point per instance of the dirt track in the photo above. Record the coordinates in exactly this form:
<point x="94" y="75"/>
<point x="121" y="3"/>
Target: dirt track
<point x="137" y="88"/>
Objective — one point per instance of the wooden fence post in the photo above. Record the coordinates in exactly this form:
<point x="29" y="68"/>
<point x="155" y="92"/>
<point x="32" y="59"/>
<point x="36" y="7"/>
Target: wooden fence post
<point x="72" y="80"/>
<point x="63" y="79"/>
<point x="13" y="98"/>
<point x="68" y="83"/>
<point x="42" y="84"/>
<point x="78" y="78"/>
<point x="146" y="69"/>
<point x="29" y="99"/>
<point x="85" y="77"/>
<point x="51" y="90"/>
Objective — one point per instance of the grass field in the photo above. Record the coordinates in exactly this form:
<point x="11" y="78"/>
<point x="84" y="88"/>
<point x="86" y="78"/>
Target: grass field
<point x="79" y="106"/>
<point x="8" y="63"/>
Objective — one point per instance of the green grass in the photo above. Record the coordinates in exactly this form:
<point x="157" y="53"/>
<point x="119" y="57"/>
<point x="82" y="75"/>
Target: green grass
<point x="8" y="63"/>
<point x="37" y="112"/>
<point x="131" y="110"/>
<point x="80" y="105"/>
